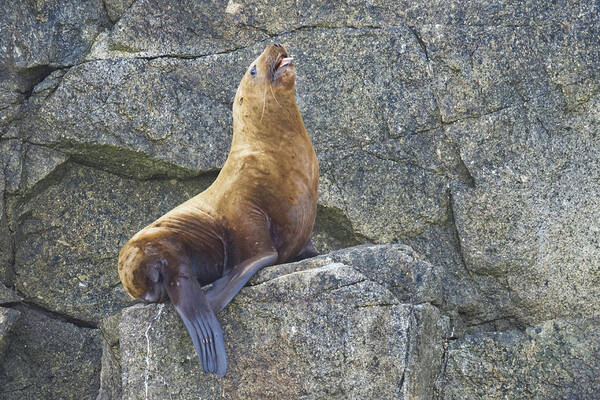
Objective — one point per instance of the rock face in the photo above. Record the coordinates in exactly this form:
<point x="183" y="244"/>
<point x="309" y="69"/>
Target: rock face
<point x="324" y="325"/>
<point x="324" y="332"/>
<point x="110" y="377"/>
<point x="8" y="318"/>
<point x="72" y="271"/>
<point x="40" y="37"/>
<point x="47" y="358"/>
<point x="465" y="130"/>
<point x="555" y="359"/>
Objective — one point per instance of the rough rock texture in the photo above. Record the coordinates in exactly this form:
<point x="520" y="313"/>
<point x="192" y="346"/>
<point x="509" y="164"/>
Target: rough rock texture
<point x="50" y="359"/>
<point x="7" y="296"/>
<point x="326" y="332"/>
<point x="38" y="38"/>
<point x="110" y="376"/>
<point x="160" y="110"/>
<point x="8" y="317"/>
<point x="398" y="268"/>
<point x="556" y="359"/>
<point x="466" y="130"/>
<point x="116" y="8"/>
<point x="72" y="270"/>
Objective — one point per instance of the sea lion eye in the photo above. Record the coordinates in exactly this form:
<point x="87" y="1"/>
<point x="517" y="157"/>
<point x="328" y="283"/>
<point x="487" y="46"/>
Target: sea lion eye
<point x="253" y="70"/>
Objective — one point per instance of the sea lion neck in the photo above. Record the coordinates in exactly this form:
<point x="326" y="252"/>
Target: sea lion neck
<point x="271" y="119"/>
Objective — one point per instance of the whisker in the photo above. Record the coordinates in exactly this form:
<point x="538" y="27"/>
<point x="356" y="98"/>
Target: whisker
<point x="264" y="104"/>
<point x="271" y="87"/>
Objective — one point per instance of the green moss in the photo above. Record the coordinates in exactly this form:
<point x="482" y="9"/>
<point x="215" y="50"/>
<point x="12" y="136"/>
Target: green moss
<point x="124" y="162"/>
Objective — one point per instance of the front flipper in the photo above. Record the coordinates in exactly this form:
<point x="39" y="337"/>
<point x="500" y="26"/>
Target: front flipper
<point x="224" y="289"/>
<point x="192" y="305"/>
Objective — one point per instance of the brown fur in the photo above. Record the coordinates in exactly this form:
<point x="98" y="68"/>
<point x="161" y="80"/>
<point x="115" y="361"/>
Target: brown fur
<point x="263" y="199"/>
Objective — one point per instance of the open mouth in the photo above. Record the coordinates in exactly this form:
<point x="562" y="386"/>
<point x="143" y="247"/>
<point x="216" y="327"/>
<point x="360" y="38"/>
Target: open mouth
<point x="282" y="62"/>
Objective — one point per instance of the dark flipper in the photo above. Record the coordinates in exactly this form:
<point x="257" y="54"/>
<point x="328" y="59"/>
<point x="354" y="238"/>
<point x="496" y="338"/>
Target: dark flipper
<point x="224" y="289"/>
<point x="309" y="250"/>
<point x="199" y="319"/>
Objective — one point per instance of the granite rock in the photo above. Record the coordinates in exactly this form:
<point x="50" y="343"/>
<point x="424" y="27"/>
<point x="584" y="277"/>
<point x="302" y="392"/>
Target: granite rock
<point x="49" y="358"/>
<point x="466" y="130"/>
<point x="8" y="318"/>
<point x="529" y="223"/>
<point x="110" y="375"/>
<point x="71" y="228"/>
<point x="139" y="118"/>
<point x="324" y="332"/>
<point x="38" y="38"/>
<point x="7" y="296"/>
<point x="555" y="359"/>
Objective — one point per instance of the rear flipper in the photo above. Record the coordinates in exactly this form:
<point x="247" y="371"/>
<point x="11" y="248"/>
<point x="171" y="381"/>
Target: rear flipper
<point x="309" y="250"/>
<point x="199" y="319"/>
<point x="224" y="289"/>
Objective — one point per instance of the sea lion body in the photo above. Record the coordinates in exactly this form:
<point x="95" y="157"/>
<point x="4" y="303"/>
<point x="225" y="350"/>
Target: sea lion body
<point x="259" y="211"/>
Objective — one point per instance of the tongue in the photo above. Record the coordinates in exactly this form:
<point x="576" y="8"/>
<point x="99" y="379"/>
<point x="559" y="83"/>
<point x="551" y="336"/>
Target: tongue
<point x="284" y="62"/>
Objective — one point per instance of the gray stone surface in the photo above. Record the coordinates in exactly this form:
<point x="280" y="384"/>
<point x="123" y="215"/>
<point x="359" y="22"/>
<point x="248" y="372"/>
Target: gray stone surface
<point x="8" y="318"/>
<point x="165" y="107"/>
<point x="323" y="332"/>
<point x="398" y="268"/>
<point x="38" y="38"/>
<point x="38" y="163"/>
<point x="556" y="359"/>
<point x="110" y="375"/>
<point x="364" y="139"/>
<point x="7" y="296"/>
<point x="188" y="28"/>
<point x="11" y="163"/>
<point x="530" y="219"/>
<point x="141" y="118"/>
<point x="71" y="230"/>
<point x="116" y="8"/>
<point x="6" y="249"/>
<point x="50" y="359"/>
<point x="10" y="178"/>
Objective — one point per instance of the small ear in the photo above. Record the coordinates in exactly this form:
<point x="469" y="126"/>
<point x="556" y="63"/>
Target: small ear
<point x="199" y="319"/>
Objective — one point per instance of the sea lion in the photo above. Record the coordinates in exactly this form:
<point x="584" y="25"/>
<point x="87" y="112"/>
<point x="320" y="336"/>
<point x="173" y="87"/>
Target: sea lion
<point x="259" y="211"/>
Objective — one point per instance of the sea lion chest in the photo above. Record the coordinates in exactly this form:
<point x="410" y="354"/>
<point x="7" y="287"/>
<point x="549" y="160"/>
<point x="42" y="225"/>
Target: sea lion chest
<point x="274" y="181"/>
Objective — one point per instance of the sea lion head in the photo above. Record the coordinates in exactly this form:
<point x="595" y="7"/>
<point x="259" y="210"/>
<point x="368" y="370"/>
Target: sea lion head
<point x="272" y="74"/>
<point x="143" y="262"/>
<point x="154" y="266"/>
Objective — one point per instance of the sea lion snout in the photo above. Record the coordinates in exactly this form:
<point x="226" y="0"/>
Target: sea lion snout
<point x="155" y="292"/>
<point x="267" y="84"/>
<point x="278" y="58"/>
<point x="283" y="70"/>
<point x="277" y="65"/>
